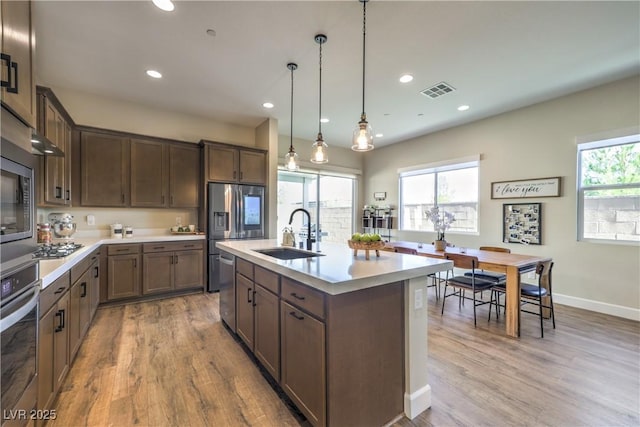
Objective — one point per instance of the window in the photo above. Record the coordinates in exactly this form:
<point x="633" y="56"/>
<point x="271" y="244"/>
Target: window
<point x="609" y="189"/>
<point x="335" y="209"/>
<point x="453" y="187"/>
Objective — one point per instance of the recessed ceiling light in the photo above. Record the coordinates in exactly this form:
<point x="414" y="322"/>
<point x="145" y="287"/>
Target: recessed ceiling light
<point x="48" y="151"/>
<point x="463" y="108"/>
<point x="406" y="78"/>
<point x="153" y="73"/>
<point x="387" y="114"/>
<point x="267" y="105"/>
<point x="324" y="120"/>
<point x="35" y="141"/>
<point x="420" y="114"/>
<point x="379" y="135"/>
<point x="211" y="32"/>
<point x="165" y="5"/>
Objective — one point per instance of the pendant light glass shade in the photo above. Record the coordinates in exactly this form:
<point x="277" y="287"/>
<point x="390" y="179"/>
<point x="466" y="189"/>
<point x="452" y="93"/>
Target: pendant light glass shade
<point x="291" y="158"/>
<point x="362" y="139"/>
<point x="319" y="151"/>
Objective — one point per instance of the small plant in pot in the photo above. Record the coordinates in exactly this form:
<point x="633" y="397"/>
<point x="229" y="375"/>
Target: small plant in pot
<point x="441" y="223"/>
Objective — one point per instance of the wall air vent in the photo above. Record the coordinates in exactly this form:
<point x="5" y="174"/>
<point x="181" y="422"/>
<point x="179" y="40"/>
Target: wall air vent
<point x="438" y="90"/>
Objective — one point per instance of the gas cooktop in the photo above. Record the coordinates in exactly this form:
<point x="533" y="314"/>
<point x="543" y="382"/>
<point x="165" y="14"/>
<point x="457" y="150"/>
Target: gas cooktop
<point x="56" y="250"/>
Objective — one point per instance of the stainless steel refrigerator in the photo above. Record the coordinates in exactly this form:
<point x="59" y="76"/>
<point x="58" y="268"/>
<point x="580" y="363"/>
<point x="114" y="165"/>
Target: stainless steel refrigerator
<point x="235" y="211"/>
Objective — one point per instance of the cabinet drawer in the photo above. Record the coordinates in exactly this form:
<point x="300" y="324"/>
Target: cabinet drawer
<point x="267" y="279"/>
<point x="245" y="268"/>
<point x="123" y="249"/>
<point x="172" y="246"/>
<point x="304" y="297"/>
<point x="53" y="292"/>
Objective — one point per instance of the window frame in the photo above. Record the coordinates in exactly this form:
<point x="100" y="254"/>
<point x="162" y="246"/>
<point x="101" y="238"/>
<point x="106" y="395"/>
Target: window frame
<point x="437" y="168"/>
<point x="604" y="142"/>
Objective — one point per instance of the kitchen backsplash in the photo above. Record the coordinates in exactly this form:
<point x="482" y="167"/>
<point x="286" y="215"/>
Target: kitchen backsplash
<point x="140" y="219"/>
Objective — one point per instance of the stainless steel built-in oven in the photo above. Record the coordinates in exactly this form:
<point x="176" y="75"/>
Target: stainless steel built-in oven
<point x="20" y="288"/>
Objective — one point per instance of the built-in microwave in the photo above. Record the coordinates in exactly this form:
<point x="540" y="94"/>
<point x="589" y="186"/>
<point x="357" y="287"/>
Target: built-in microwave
<point x="16" y="201"/>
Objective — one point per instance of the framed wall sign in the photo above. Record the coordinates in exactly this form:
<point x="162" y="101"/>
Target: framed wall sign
<point x="522" y="223"/>
<point x="380" y="195"/>
<point x="540" y="187"/>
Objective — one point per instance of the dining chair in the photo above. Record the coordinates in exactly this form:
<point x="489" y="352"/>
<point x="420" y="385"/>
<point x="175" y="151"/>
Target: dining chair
<point x="531" y="294"/>
<point x="435" y="281"/>
<point x="466" y="283"/>
<point x="489" y="275"/>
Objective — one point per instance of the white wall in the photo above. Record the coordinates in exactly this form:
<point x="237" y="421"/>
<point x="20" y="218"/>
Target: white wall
<point x="535" y="142"/>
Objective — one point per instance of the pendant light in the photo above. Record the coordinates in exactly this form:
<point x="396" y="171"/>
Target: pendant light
<point x="291" y="158"/>
<point x="363" y="135"/>
<point x="319" y="152"/>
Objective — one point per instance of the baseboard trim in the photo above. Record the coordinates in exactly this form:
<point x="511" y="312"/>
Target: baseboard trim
<point x="597" y="306"/>
<point x="417" y="402"/>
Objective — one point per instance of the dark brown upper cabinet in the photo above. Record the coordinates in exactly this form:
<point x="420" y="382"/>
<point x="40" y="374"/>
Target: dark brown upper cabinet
<point x="231" y="164"/>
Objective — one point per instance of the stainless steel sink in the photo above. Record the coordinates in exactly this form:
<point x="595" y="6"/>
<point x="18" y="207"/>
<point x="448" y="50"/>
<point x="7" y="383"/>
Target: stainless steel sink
<point x="287" y="253"/>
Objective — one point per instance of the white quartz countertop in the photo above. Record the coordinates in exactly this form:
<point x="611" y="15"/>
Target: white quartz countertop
<point x="51" y="269"/>
<point x="337" y="271"/>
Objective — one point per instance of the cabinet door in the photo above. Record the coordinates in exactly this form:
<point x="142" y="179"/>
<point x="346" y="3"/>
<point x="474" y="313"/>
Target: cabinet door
<point x="61" y="342"/>
<point x="67" y="164"/>
<point x="184" y="176"/>
<point x="47" y="324"/>
<point x="157" y="272"/>
<point x="54" y="166"/>
<point x="188" y="269"/>
<point x="223" y="164"/>
<point x="94" y="292"/>
<point x="123" y="276"/>
<point x="252" y="167"/>
<point x="73" y="319"/>
<point x="104" y="170"/>
<point x="267" y="330"/>
<point x="244" y="309"/>
<point x="149" y="174"/>
<point x="85" y="303"/>
<point x="303" y="375"/>
<point x="18" y="41"/>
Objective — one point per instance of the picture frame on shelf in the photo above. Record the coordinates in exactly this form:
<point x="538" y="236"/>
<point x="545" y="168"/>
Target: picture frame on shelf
<point x="522" y="223"/>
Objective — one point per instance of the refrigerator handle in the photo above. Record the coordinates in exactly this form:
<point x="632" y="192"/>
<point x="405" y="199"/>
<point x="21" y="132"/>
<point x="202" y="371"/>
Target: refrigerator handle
<point x="239" y="213"/>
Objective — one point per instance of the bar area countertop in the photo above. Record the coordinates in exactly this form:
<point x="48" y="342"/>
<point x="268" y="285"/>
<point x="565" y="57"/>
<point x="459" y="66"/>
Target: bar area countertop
<point x="336" y="270"/>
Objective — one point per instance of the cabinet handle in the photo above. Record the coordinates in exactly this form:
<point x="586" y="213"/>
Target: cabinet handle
<point x="234" y="174"/>
<point x="158" y="247"/>
<point x="59" y="290"/>
<point x="162" y="200"/>
<point x="121" y="250"/>
<point x="240" y="174"/>
<point x="6" y="83"/>
<point x="249" y="295"/>
<point x="122" y="197"/>
<point x="254" y="298"/>
<point x="293" y="313"/>
<point x="14" y="89"/>
<point x="68" y="195"/>
<point x="60" y="322"/>
<point x="171" y="200"/>
<point x="188" y="246"/>
<point x="83" y="285"/>
<point x="177" y="258"/>
<point x="96" y="273"/>
<point x="58" y="192"/>
<point x="296" y="296"/>
<point x="135" y="263"/>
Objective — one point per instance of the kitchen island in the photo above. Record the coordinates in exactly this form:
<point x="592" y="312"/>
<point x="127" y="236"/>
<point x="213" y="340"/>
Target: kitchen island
<point x="347" y="337"/>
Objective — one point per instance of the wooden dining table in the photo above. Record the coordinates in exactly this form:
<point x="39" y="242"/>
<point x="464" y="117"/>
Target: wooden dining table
<point x="513" y="265"/>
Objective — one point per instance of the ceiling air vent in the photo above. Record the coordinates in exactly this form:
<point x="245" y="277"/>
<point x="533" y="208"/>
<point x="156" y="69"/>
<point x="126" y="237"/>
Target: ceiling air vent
<point x="438" y="90"/>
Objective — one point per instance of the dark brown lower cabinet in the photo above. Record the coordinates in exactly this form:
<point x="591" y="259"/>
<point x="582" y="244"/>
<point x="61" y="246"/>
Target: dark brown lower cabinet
<point x="244" y="309"/>
<point x="172" y="266"/>
<point x="303" y="362"/>
<point x="95" y="285"/>
<point x="79" y="311"/>
<point x="53" y="340"/>
<point x="124" y="266"/>
<point x="267" y="330"/>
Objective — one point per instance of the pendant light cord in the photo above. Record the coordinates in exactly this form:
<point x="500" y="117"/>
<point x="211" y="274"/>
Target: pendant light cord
<point x="320" y="93"/>
<point x="291" y="122"/>
<point x="364" y="45"/>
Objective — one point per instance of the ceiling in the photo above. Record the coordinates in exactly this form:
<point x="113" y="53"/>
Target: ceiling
<point x="499" y="56"/>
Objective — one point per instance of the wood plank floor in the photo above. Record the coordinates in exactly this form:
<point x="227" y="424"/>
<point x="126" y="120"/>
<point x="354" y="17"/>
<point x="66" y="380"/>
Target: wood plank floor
<point x="172" y="363"/>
